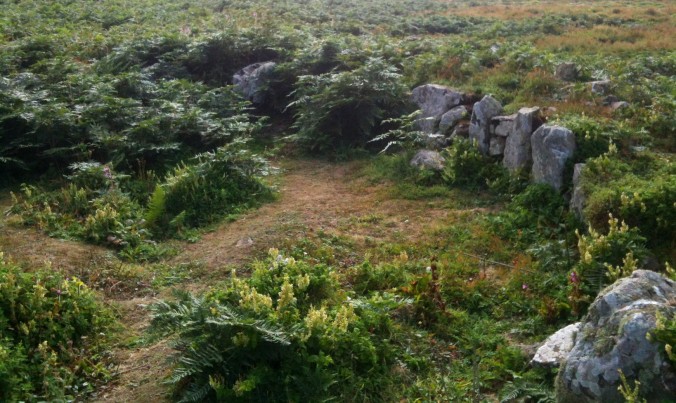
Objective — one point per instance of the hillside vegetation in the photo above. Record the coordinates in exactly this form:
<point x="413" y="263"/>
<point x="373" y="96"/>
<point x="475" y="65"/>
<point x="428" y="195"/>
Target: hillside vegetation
<point x="278" y="245"/>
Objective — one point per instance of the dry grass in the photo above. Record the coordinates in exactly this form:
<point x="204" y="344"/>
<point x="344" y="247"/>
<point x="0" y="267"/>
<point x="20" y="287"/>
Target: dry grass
<point x="653" y="11"/>
<point x="606" y="39"/>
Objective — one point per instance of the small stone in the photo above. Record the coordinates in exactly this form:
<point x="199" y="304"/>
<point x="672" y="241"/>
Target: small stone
<point x="428" y="159"/>
<point x="480" y="124"/>
<point x="619" y="105"/>
<point x="567" y="71"/>
<point x="244" y="242"/>
<point x="600" y="87"/>
<point x="451" y="118"/>
<point x="557" y="346"/>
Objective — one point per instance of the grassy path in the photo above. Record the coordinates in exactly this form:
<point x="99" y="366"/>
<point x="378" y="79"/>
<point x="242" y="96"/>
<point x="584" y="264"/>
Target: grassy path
<point x="316" y="199"/>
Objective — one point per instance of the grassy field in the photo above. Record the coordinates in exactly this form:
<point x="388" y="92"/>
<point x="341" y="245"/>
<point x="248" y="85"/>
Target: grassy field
<point x="164" y="239"/>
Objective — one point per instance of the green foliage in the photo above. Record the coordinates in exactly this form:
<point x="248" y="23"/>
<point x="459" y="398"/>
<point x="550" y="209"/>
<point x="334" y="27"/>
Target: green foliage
<point x="287" y="333"/>
<point x="337" y="110"/>
<point x="52" y="336"/>
<point x="466" y="166"/>
<point x="214" y="184"/>
<point x="601" y="255"/>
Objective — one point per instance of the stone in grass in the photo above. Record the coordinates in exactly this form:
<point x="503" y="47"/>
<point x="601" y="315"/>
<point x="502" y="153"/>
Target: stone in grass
<point x="434" y="100"/>
<point x="613" y="337"/>
<point x="517" y="146"/>
<point x="428" y="159"/>
<point x="567" y="71"/>
<point x="480" y="124"/>
<point x="551" y="147"/>
<point x="557" y="347"/>
<point x="252" y="80"/>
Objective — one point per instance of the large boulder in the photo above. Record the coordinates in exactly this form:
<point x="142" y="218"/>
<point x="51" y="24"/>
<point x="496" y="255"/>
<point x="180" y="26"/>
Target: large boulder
<point x="517" y="146"/>
<point x="428" y="159"/>
<point x="252" y="81"/>
<point x="579" y="198"/>
<point x="434" y="100"/>
<point x="552" y="146"/>
<point x="451" y="118"/>
<point x="566" y="71"/>
<point x="612" y="337"/>
<point x="480" y="124"/>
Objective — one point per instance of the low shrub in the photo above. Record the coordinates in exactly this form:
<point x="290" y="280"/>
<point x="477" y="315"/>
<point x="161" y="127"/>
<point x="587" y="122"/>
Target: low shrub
<point x="286" y="333"/>
<point x="53" y="334"/>
<point x="214" y="184"/>
<point x="345" y="109"/>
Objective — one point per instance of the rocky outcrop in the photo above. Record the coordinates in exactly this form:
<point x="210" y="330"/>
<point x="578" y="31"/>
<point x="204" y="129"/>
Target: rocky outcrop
<point x="557" y="347"/>
<point x="579" y="198"/>
<point x="434" y="100"/>
<point x="252" y="81"/>
<point x="428" y="159"/>
<point x="517" y="155"/>
<point x="451" y="118"/>
<point x="551" y="147"/>
<point x="480" y="124"/>
<point x="612" y="337"/>
<point x="566" y="71"/>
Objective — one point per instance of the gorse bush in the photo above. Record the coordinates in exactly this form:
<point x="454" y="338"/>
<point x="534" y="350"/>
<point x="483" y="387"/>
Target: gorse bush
<point x="339" y="110"/>
<point x="53" y="332"/>
<point x="286" y="333"/>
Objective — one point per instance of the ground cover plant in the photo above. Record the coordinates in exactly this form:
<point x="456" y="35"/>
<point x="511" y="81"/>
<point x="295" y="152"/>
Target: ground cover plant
<point x="130" y="160"/>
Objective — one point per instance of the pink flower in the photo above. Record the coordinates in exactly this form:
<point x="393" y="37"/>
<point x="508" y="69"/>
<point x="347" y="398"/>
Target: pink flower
<point x="524" y="286"/>
<point x="574" y="278"/>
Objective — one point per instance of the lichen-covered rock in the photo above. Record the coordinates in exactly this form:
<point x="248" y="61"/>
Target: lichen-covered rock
<point x="600" y="87"/>
<point x="557" y="347"/>
<point x="252" y="80"/>
<point x="496" y="146"/>
<point x="551" y="147"/>
<point x="480" y="124"/>
<point x="517" y="146"/>
<point x="613" y="337"/>
<point x="502" y="125"/>
<point x="435" y="141"/>
<point x="566" y="71"/>
<point x="579" y="199"/>
<point x="434" y="100"/>
<point x="451" y="118"/>
<point x="428" y="159"/>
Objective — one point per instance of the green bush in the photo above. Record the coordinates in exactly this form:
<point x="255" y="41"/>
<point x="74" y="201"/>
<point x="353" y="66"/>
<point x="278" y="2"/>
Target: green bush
<point x="286" y="333"/>
<point x="53" y="332"/>
<point x="214" y="184"/>
<point x="340" y="110"/>
<point x="467" y="167"/>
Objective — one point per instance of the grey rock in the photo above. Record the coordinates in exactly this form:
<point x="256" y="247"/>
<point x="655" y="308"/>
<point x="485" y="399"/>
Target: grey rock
<point x="252" y="81"/>
<point x="460" y="130"/>
<point x="600" y="87"/>
<point x="496" y="146"/>
<point x="579" y="198"/>
<point x="567" y="71"/>
<point x="502" y="125"/>
<point x="551" y="147"/>
<point x="451" y="118"/>
<point x="557" y="347"/>
<point x="610" y="99"/>
<point x="619" y="105"/>
<point x="434" y="100"/>
<point x="479" y="126"/>
<point x="244" y="242"/>
<point x="613" y="337"/>
<point x="435" y="141"/>
<point x="428" y="159"/>
<point x="517" y="146"/>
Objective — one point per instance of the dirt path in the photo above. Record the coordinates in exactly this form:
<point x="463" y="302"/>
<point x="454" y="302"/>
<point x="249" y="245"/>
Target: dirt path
<point x="314" y="196"/>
